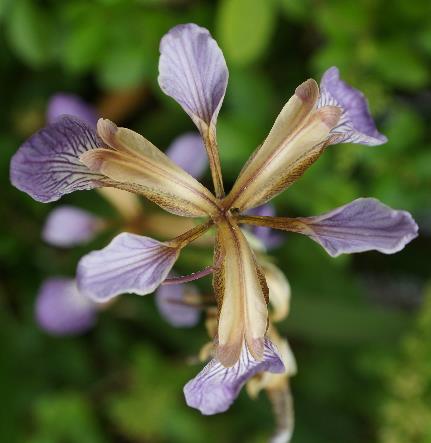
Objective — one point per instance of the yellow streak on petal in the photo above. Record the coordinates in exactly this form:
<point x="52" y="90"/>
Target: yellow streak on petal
<point x="241" y="292"/>
<point x="136" y="164"/>
<point x="295" y="141"/>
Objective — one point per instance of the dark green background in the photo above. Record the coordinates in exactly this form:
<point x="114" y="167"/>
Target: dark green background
<point x="360" y="326"/>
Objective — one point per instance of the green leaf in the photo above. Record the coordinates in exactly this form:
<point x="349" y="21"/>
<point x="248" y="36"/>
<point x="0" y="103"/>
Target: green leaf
<point x="65" y="416"/>
<point x="400" y="66"/>
<point x="85" y="44"/>
<point x="4" y="4"/>
<point x="296" y="9"/>
<point x="245" y="28"/>
<point x="29" y="31"/>
<point x="152" y="407"/>
<point x="122" y="68"/>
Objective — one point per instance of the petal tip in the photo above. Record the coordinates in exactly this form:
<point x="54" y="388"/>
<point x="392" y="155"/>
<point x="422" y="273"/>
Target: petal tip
<point x="308" y="90"/>
<point x="330" y="115"/>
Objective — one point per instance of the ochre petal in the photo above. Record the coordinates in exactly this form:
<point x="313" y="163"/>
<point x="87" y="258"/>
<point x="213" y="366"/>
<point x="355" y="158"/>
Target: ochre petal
<point x="279" y="291"/>
<point x="242" y="296"/>
<point x="141" y="167"/>
<point x="296" y="140"/>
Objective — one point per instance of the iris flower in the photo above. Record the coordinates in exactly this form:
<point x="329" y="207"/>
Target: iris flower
<point x="69" y="155"/>
<point x="60" y="308"/>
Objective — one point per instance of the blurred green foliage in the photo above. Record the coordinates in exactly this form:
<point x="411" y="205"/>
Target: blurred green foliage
<point x="364" y="370"/>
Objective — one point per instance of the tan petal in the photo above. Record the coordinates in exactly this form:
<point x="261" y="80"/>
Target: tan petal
<point x="273" y="381"/>
<point x="279" y="291"/>
<point x="135" y="164"/>
<point x="296" y="140"/>
<point x="241" y="294"/>
<point x="126" y="203"/>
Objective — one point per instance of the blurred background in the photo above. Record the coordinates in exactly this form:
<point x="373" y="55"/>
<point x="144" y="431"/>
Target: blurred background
<point x="360" y="326"/>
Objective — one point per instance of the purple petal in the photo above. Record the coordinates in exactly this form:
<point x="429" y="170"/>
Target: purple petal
<point x="61" y="104"/>
<point x="192" y="70"/>
<point x="270" y="238"/>
<point x="62" y="310"/>
<point x="68" y="226"/>
<point x="362" y="225"/>
<point x="130" y="263"/>
<point x="172" y="303"/>
<point x="188" y="151"/>
<point x="215" y="388"/>
<point x="356" y="124"/>
<point x="47" y="165"/>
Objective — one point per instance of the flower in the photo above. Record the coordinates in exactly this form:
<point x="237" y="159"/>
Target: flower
<point x="62" y="310"/>
<point x="70" y="155"/>
<point x="66" y="311"/>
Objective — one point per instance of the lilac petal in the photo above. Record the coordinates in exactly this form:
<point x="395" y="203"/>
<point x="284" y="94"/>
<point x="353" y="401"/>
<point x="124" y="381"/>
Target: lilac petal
<point x="356" y="124"/>
<point x="68" y="226"/>
<point x="188" y="151"/>
<point x="215" y="388"/>
<point x="270" y="238"/>
<point x="47" y="165"/>
<point x="362" y="225"/>
<point x="61" y="104"/>
<point x="193" y="71"/>
<point x="62" y="310"/>
<point x="130" y="263"/>
<point x="172" y="304"/>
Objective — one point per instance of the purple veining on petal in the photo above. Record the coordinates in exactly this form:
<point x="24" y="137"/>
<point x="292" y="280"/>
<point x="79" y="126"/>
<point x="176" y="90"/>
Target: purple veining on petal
<point x="215" y="388"/>
<point x="62" y="310"/>
<point x="188" y="151"/>
<point x="172" y="303"/>
<point x="362" y="225"/>
<point x="70" y="104"/>
<point x="47" y="165"/>
<point x="67" y="226"/>
<point x="356" y="124"/>
<point x="129" y="264"/>
<point x="193" y="71"/>
<point x="270" y="238"/>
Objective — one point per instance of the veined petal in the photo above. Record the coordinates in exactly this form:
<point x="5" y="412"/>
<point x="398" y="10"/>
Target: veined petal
<point x="242" y="295"/>
<point x="172" y="301"/>
<point x="296" y="140"/>
<point x="356" y="124"/>
<point x="62" y="310"/>
<point x="188" y="152"/>
<point x="192" y="71"/>
<point x="215" y="388"/>
<point x="47" y="165"/>
<point x="362" y="225"/>
<point x="68" y="226"/>
<point x="130" y="263"/>
<point x="69" y="104"/>
<point x="137" y="164"/>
